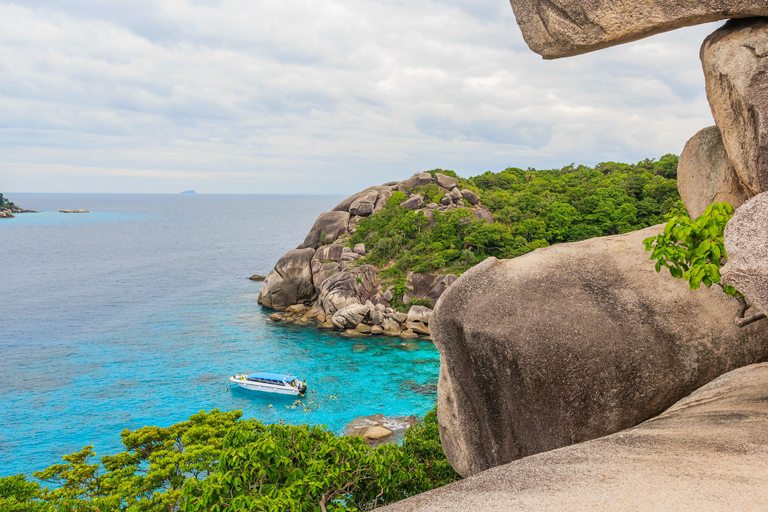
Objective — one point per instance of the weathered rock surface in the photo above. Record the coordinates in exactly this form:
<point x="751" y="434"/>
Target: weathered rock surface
<point x="333" y="224"/>
<point x="574" y="342"/>
<point x="447" y="182"/>
<point x="290" y="282"/>
<point x="735" y="62"/>
<point x="257" y="277"/>
<point x="343" y="288"/>
<point x="370" y="427"/>
<point x="350" y="316"/>
<point x="413" y="203"/>
<point x="426" y="286"/>
<point x="706" y="176"/>
<point x="563" y="28"/>
<point x="707" y="453"/>
<point x="746" y="242"/>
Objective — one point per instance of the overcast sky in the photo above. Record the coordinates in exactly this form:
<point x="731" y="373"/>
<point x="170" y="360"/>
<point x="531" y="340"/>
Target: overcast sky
<point x="320" y="96"/>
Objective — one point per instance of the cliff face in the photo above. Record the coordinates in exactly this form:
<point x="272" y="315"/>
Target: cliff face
<point x="321" y="283"/>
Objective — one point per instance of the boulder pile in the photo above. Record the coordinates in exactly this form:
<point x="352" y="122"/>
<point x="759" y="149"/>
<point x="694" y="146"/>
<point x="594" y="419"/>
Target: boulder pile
<point x="577" y="341"/>
<point x="321" y="282"/>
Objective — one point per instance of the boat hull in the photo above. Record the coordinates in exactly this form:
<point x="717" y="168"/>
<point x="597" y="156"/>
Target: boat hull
<point x="264" y="387"/>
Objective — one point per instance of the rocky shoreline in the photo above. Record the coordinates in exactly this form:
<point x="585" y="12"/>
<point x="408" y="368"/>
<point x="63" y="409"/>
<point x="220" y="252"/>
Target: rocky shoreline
<point x="7" y="212"/>
<point x="319" y="283"/>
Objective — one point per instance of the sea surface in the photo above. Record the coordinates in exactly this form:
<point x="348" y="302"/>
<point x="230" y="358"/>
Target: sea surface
<point x="138" y="312"/>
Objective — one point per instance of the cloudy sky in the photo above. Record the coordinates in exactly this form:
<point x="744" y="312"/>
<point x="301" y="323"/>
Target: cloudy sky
<point x="320" y="96"/>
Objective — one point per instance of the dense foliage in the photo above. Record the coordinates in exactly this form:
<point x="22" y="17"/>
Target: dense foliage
<point x="693" y="250"/>
<point x="217" y="461"/>
<point x="531" y="209"/>
<point x="5" y="203"/>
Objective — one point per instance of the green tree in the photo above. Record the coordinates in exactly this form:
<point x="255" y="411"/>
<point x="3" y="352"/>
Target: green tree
<point x="693" y="250"/>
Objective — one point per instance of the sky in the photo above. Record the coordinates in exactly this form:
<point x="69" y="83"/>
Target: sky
<point x="318" y="97"/>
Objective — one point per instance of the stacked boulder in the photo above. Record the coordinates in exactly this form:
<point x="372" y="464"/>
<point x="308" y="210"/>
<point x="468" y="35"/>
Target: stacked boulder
<point x="321" y="282"/>
<point x="577" y="341"/>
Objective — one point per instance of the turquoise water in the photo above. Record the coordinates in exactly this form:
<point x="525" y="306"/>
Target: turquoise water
<point x="136" y="314"/>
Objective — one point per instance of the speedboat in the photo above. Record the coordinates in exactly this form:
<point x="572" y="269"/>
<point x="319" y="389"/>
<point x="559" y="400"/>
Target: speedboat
<point x="270" y="383"/>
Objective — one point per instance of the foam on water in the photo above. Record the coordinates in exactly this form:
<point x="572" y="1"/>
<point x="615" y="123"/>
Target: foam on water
<point x="137" y="313"/>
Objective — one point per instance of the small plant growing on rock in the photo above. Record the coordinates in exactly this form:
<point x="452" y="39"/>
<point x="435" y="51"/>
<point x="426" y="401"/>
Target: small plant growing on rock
<point x="692" y="249"/>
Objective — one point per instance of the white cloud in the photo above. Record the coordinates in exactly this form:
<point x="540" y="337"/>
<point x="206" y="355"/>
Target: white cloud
<point x="317" y="96"/>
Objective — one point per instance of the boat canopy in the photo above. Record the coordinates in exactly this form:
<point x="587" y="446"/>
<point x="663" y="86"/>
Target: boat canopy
<point x="276" y="377"/>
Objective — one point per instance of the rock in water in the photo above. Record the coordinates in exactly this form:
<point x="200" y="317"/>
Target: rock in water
<point x="563" y="28"/>
<point x="290" y="282"/>
<point x="706" y="176"/>
<point x="746" y="242"/>
<point x="574" y="342"/>
<point x="735" y="61"/>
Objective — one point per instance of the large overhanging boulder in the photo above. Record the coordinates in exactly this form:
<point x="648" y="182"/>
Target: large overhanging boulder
<point x="705" y="175"/>
<point x="328" y="227"/>
<point x="290" y="282"/>
<point x="735" y="62"/>
<point x="562" y="28"/>
<point x="574" y="342"/>
<point x="706" y="453"/>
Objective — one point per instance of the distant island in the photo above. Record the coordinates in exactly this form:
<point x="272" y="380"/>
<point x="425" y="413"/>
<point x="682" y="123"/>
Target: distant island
<point x="189" y="192"/>
<point x="8" y="208"/>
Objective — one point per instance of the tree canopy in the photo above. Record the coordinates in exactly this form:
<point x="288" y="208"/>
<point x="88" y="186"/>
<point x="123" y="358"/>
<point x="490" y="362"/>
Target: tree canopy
<point x="216" y="461"/>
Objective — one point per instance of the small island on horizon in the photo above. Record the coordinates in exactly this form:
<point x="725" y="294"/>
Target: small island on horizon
<point x="189" y="192"/>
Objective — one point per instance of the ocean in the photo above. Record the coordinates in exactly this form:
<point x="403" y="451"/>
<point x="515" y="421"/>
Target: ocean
<point x="137" y="313"/>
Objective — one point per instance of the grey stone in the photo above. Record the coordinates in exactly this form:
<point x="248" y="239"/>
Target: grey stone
<point x="417" y="327"/>
<point x="735" y="62"/>
<point x="447" y="182"/>
<point x="333" y="224"/>
<point x="706" y="176"/>
<point x="454" y="195"/>
<point x="707" y="453"/>
<point x="562" y="28"/>
<point x="353" y="286"/>
<point x="431" y="206"/>
<point x="426" y="286"/>
<point x="322" y="271"/>
<point x="381" y="201"/>
<point x="377" y="317"/>
<point x="574" y="342"/>
<point x="350" y="316"/>
<point x="346" y="204"/>
<point x="470" y="197"/>
<point x="364" y="205"/>
<point x="359" y="249"/>
<point x="399" y="317"/>
<point x="446" y="200"/>
<point x="413" y="203"/>
<point x="331" y="252"/>
<point x="482" y="213"/>
<point x="257" y="277"/>
<point x="419" y="314"/>
<point x="746" y="242"/>
<point x="290" y="282"/>
<point x="391" y="327"/>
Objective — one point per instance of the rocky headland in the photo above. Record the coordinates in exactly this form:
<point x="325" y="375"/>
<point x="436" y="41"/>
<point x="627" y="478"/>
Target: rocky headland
<point x="321" y="284"/>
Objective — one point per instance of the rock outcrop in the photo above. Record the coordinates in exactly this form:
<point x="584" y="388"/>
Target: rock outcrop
<point x="574" y="342"/>
<point x="707" y="453"/>
<point x="706" y="176"/>
<point x="290" y="282"/>
<point x="735" y="62"/>
<point x="562" y="28"/>
<point x="378" y="429"/>
<point x="746" y="242"/>
<point x="324" y="274"/>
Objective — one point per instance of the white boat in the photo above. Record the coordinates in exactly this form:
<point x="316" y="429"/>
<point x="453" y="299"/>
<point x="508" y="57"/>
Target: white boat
<point x="270" y="383"/>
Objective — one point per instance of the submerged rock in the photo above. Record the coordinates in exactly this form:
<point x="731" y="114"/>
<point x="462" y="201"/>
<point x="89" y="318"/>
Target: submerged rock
<point x="588" y="340"/>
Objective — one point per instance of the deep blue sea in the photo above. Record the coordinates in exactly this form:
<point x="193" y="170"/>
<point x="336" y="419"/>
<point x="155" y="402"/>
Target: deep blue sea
<point x="137" y="313"/>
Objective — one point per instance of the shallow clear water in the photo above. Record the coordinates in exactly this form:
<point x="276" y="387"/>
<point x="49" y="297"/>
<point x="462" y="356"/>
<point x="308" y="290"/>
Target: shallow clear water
<point x="136" y="314"/>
